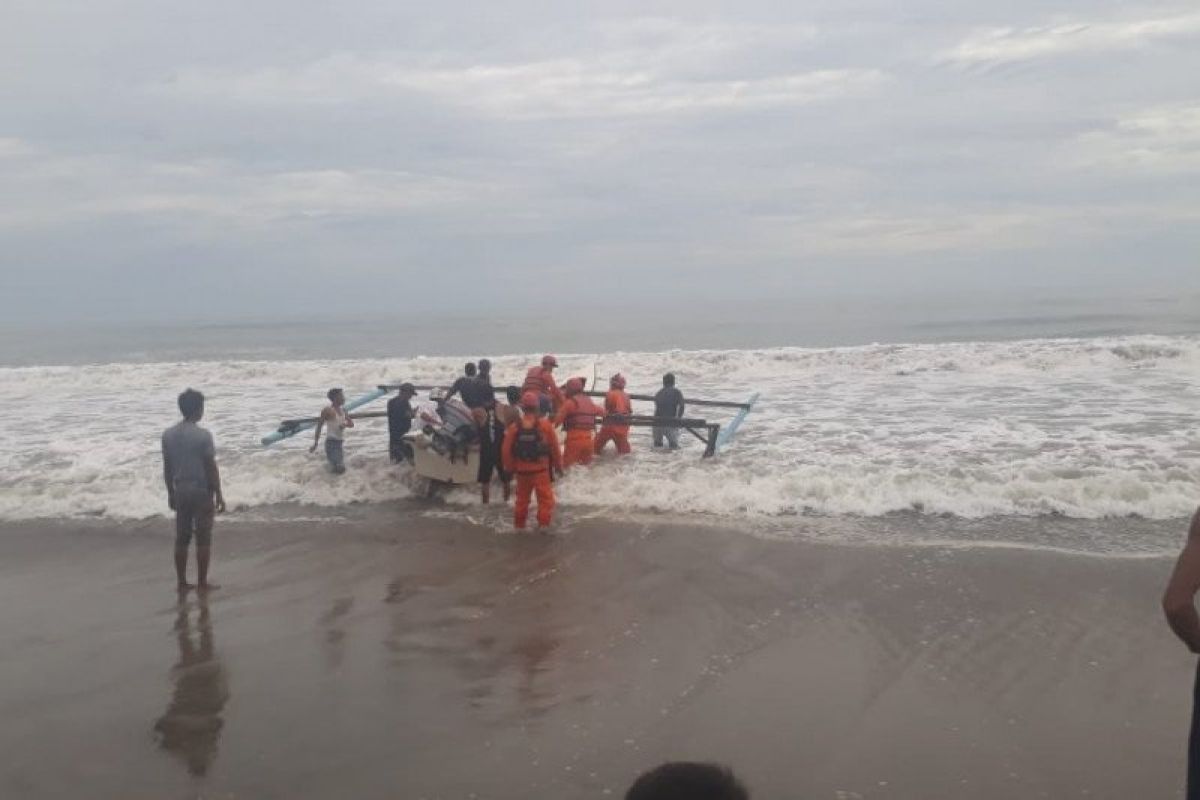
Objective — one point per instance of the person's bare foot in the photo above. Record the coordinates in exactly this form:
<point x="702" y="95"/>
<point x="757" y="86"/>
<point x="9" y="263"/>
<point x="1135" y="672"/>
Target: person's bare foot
<point x="184" y="588"/>
<point x="205" y="588"/>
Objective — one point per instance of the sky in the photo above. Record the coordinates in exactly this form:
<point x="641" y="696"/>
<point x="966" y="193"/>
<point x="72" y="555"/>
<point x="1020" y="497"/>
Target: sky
<point x="162" y="159"/>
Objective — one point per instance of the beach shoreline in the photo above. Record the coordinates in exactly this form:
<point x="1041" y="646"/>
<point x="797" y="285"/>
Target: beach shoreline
<point x="397" y="655"/>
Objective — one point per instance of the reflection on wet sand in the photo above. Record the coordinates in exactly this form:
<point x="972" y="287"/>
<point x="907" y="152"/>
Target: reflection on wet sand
<point x="191" y="725"/>
<point x="535" y="652"/>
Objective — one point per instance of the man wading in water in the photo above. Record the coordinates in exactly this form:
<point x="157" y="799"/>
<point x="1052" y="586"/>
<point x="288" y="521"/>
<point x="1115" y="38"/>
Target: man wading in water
<point x="1180" y="607"/>
<point x="335" y="419"/>
<point x="193" y="488"/>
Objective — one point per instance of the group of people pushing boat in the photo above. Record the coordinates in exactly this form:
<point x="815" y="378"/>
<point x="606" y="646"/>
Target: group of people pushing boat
<point x="517" y="439"/>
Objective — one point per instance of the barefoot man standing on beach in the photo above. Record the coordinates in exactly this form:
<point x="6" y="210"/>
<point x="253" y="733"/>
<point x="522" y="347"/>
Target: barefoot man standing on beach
<point x="193" y="487"/>
<point x="1180" y="608"/>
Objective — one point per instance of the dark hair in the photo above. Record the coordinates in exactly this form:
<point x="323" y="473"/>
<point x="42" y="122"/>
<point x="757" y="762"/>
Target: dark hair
<point x="191" y="403"/>
<point x="669" y="379"/>
<point x="485" y="367"/>
<point x="513" y="394"/>
<point x="687" y="780"/>
<point x="470" y="369"/>
<point x="407" y="388"/>
<point x="334" y="391"/>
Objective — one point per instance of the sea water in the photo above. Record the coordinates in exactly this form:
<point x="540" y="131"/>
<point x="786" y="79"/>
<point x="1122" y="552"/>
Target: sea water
<point x="960" y="434"/>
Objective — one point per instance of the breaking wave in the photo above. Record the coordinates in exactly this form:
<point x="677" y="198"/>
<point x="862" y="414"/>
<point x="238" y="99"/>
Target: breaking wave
<point x="1085" y="428"/>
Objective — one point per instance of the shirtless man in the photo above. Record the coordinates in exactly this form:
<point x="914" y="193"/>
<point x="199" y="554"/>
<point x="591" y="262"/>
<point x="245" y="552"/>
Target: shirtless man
<point x="193" y="488"/>
<point x="1179" y="606"/>
<point x="335" y="418"/>
<point x="499" y="417"/>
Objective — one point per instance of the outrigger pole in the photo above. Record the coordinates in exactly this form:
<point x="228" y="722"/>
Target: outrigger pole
<point x="286" y="431"/>
<point x="710" y="433"/>
<point x="711" y="403"/>
<point x="290" y="427"/>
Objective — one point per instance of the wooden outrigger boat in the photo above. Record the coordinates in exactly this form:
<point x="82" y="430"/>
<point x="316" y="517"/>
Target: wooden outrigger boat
<point x="441" y="463"/>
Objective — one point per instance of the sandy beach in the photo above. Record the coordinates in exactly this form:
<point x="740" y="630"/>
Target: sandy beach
<point x="397" y="656"/>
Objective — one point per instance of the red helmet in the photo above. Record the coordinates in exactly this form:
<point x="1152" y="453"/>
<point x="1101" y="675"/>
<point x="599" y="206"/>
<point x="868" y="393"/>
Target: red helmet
<point x="549" y="361"/>
<point x="573" y="386"/>
<point x="617" y="381"/>
<point x="530" y="401"/>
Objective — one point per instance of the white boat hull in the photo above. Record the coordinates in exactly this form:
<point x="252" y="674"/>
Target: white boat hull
<point x="432" y="465"/>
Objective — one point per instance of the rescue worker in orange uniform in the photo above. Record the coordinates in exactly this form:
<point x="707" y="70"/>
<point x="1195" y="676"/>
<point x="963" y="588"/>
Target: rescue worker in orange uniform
<point x="540" y="381"/>
<point x="577" y="416"/>
<point x="531" y="452"/>
<point x="616" y="404"/>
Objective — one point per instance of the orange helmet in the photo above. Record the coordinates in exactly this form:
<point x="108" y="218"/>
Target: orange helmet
<point x="617" y="381"/>
<point x="549" y="361"/>
<point x="530" y="401"/>
<point x="573" y="386"/>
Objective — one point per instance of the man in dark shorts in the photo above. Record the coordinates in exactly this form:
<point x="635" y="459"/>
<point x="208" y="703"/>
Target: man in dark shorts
<point x="491" y="436"/>
<point x="400" y="418"/>
<point x="1179" y="604"/>
<point x="193" y="488"/>
<point x="668" y="403"/>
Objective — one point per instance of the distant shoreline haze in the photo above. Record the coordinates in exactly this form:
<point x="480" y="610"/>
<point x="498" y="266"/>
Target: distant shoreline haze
<point x="581" y="327"/>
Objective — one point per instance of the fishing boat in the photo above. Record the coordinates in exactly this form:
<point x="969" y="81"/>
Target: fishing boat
<point x="438" y="457"/>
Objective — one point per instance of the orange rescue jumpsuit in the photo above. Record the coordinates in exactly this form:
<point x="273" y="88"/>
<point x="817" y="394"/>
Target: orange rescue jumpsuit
<point x="532" y="476"/>
<point x="615" y="402"/>
<point x="578" y="418"/>
<point x="540" y="381"/>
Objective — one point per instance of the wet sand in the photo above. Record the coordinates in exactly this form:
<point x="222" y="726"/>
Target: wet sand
<point x="397" y="656"/>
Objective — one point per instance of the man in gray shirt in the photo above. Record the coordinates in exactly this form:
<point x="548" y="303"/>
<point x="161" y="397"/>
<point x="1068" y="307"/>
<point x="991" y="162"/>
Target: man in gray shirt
<point x="668" y="404"/>
<point x="193" y="487"/>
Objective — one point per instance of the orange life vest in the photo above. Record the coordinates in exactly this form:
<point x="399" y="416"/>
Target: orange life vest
<point x="617" y="402"/>
<point x="537" y="381"/>
<point x="583" y="416"/>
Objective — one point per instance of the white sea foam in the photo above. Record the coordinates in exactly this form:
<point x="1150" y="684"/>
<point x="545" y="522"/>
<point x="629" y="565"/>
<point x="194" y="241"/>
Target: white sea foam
<point x="1083" y="428"/>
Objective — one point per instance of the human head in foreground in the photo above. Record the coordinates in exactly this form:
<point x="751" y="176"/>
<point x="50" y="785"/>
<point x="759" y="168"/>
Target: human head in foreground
<point x="687" y="780"/>
<point x="669" y="379"/>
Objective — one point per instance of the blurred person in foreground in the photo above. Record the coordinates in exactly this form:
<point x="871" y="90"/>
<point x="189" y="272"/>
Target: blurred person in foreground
<point x="687" y="780"/>
<point x="1180" y="607"/>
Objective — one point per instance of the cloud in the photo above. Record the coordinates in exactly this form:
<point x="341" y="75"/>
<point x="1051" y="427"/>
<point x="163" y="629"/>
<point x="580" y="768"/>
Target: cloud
<point x="628" y="68"/>
<point x="560" y="88"/>
<point x="493" y="141"/>
<point x="885" y="233"/>
<point x="48" y="190"/>
<point x="1164" y="140"/>
<point x="999" y="45"/>
<point x="11" y="147"/>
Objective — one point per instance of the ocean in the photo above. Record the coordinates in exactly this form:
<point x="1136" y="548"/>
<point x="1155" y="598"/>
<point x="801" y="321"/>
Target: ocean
<point x="1069" y="429"/>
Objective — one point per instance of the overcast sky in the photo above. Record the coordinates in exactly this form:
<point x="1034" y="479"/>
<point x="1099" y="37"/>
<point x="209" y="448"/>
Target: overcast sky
<point x="284" y="157"/>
